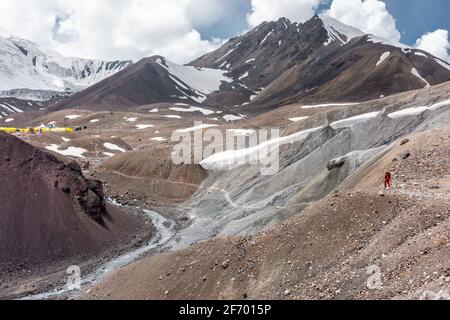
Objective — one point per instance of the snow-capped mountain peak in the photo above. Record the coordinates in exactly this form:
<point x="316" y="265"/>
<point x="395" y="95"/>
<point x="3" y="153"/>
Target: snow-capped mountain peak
<point x="339" y="31"/>
<point x="27" y="65"/>
<point x="343" y="34"/>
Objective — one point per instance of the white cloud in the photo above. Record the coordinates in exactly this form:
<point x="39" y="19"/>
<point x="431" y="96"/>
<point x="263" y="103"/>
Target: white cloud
<point x="132" y="29"/>
<point x="268" y="10"/>
<point x="204" y="13"/>
<point x="111" y="29"/>
<point x="435" y="43"/>
<point x="370" y="16"/>
<point x="4" y="33"/>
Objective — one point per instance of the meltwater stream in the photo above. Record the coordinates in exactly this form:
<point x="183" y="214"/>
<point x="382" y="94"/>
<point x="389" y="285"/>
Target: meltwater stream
<point x="164" y="233"/>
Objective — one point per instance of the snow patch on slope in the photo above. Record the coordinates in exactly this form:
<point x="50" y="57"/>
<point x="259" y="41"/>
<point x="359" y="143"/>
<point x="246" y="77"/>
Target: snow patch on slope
<point x="172" y="116"/>
<point x="443" y="63"/>
<point x="230" y="159"/>
<point x="112" y="146"/>
<point x="227" y="54"/>
<point x="72" y="116"/>
<point x="417" y="75"/>
<point x="232" y="117"/>
<point x="347" y="122"/>
<point x="10" y="108"/>
<point x="297" y="119"/>
<point x="266" y="37"/>
<point x="383" y="57"/>
<point x="144" y="126"/>
<point x="200" y="81"/>
<point x="375" y="39"/>
<point x="418" y="110"/>
<point x="420" y="54"/>
<point x="70" y="152"/>
<point x="407" y="112"/>
<point x="339" y="31"/>
<point x="192" y="109"/>
<point x="245" y="75"/>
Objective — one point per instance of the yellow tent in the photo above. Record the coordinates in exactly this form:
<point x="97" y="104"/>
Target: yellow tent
<point x="37" y="129"/>
<point x="9" y="130"/>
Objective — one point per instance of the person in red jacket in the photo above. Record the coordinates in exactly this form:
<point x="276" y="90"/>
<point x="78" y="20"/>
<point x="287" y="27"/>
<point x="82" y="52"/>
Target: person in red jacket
<point x="387" y="180"/>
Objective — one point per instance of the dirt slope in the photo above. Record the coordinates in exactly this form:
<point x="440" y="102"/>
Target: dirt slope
<point x="50" y="212"/>
<point x="325" y="251"/>
<point x="152" y="175"/>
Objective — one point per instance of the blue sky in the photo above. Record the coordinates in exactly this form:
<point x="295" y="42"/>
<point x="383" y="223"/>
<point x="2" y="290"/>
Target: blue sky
<point x="232" y="23"/>
<point x="413" y="17"/>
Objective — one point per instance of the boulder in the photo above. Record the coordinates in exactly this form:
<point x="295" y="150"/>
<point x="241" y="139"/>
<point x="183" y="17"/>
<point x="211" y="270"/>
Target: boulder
<point x="404" y="141"/>
<point x="335" y="163"/>
<point x="405" y="155"/>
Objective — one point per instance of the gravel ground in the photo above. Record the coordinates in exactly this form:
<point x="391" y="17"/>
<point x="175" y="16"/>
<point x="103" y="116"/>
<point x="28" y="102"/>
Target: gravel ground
<point x="358" y="243"/>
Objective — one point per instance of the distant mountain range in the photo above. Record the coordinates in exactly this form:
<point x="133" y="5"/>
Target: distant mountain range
<point x="30" y="71"/>
<point x="150" y="80"/>
<point x="276" y="63"/>
<point x="321" y="60"/>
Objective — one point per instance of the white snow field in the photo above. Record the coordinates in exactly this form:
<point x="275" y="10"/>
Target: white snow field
<point x="347" y="122"/>
<point x="189" y="108"/>
<point x="159" y="139"/>
<point x="144" y="126"/>
<point x="114" y="147"/>
<point x="201" y="81"/>
<point x="230" y="159"/>
<point x="438" y="105"/>
<point x="109" y="154"/>
<point x="407" y="112"/>
<point x="297" y="119"/>
<point x="72" y="116"/>
<point x="420" y="54"/>
<point x="232" y="117"/>
<point x="70" y="151"/>
<point x="10" y="108"/>
<point x="418" y="110"/>
<point x="172" y="116"/>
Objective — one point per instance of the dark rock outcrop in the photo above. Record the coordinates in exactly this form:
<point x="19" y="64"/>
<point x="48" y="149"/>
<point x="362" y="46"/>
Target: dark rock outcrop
<point x="49" y="211"/>
<point x="335" y="163"/>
